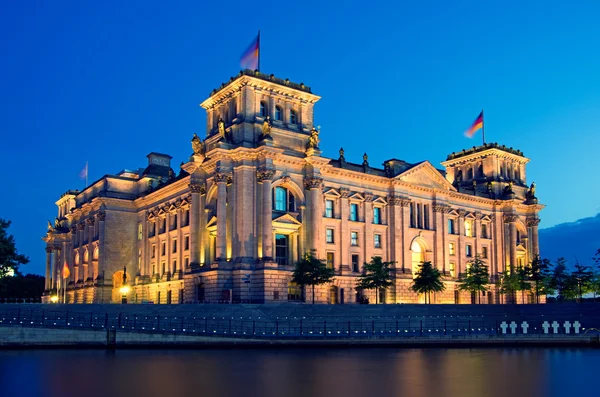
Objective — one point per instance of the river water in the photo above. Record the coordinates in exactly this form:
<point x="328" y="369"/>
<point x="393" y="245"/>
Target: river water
<point x="368" y="372"/>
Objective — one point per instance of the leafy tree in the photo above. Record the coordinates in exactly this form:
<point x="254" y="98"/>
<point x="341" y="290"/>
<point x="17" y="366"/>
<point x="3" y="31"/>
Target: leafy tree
<point x="523" y="285"/>
<point x="312" y="271"/>
<point x="581" y="278"/>
<point x="376" y="275"/>
<point x="594" y="286"/>
<point x="509" y="284"/>
<point x="29" y="287"/>
<point x="561" y="281"/>
<point x="477" y="277"/>
<point x="427" y="279"/>
<point x="539" y="273"/>
<point x="10" y="259"/>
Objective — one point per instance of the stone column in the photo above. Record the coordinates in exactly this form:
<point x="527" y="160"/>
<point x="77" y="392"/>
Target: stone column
<point x="344" y="236"/>
<point x="477" y="234"/>
<point x="221" y="180"/>
<point x="302" y="236"/>
<point x="197" y="189"/>
<point x="460" y="250"/>
<point x="47" y="281"/>
<point x="532" y="225"/>
<point x="395" y="229"/>
<point x="441" y="224"/>
<point x="406" y="255"/>
<point x="368" y="240"/>
<point x="55" y="262"/>
<point x="92" y="271"/>
<point x="313" y="185"/>
<point x="512" y="239"/>
<point x="265" y="177"/>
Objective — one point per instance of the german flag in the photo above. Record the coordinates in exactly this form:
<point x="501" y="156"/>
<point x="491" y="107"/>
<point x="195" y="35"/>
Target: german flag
<point x="476" y="126"/>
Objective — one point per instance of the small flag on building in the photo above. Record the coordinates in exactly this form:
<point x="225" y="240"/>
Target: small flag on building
<point x="476" y="126"/>
<point x="251" y="57"/>
<point x="65" y="271"/>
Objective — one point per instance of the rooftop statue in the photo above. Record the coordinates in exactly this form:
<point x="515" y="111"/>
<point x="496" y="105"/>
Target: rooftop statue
<point x="530" y="194"/>
<point x="221" y="125"/>
<point x="313" y="141"/>
<point x="197" y="145"/>
<point x="266" y="127"/>
<point x="365" y="160"/>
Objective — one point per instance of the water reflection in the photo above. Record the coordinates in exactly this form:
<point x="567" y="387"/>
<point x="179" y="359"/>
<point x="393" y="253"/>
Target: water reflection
<point x="299" y="372"/>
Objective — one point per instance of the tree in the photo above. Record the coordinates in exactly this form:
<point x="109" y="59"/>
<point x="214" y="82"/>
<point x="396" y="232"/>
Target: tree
<point x="523" y="285"/>
<point x="561" y="281"/>
<point x="29" y="287"/>
<point x="376" y="275"/>
<point x="509" y="284"/>
<point x="10" y="259"/>
<point x="427" y="279"/>
<point x="539" y="273"/>
<point x="477" y="277"/>
<point x="594" y="286"/>
<point x="581" y="278"/>
<point x="312" y="271"/>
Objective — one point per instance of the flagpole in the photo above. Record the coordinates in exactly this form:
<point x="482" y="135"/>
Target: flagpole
<point x="259" y="50"/>
<point x="87" y="171"/>
<point x="483" y="127"/>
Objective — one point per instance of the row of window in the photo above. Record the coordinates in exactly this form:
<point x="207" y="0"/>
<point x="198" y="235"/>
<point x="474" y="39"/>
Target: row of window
<point x="292" y="117"/>
<point x="162" y="224"/>
<point x="419" y="216"/>
<point x="354" y="261"/>
<point x="163" y="247"/>
<point x="330" y="213"/>
<point x="329" y="239"/>
<point x="469" y="228"/>
<point x="163" y="266"/>
<point x="468" y="250"/>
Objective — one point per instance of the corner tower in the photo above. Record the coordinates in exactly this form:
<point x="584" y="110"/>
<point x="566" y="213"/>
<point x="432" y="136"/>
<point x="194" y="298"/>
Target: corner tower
<point x="237" y="111"/>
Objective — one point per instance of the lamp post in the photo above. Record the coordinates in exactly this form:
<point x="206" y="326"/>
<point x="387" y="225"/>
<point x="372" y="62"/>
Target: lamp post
<point x="124" y="288"/>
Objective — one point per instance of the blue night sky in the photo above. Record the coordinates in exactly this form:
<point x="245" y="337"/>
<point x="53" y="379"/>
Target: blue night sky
<point x="108" y="82"/>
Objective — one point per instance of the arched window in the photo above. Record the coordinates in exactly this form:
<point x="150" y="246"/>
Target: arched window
<point x="293" y="117"/>
<point x="86" y="256"/>
<point x="277" y="113"/>
<point x="95" y="253"/>
<point x="283" y="200"/>
<point x="470" y="174"/>
<point x="77" y="258"/>
<point x="263" y="109"/>
<point x="417" y="256"/>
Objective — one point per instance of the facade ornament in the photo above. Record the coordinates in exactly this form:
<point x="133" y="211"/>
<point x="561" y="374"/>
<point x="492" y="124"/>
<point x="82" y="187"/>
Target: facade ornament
<point x="313" y="140"/>
<point x="365" y="160"/>
<point x="510" y="218"/>
<point x="221" y="127"/>
<point x="221" y="177"/>
<point x="101" y="216"/>
<point x="490" y="189"/>
<point x="266" y="128"/>
<point x="50" y="227"/>
<point x="368" y="197"/>
<point x="198" y="187"/>
<point x="388" y="169"/>
<point x="264" y="175"/>
<point x="532" y="222"/>
<point x="462" y="213"/>
<point x="90" y="221"/>
<point x="441" y="208"/>
<point x="198" y="146"/>
<point x="313" y="183"/>
<point x="344" y="192"/>
<point x="530" y="194"/>
<point x="478" y="215"/>
<point x="342" y="158"/>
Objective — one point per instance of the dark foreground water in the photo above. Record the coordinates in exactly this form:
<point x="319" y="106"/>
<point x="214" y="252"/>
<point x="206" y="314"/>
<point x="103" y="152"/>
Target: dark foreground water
<point x="301" y="372"/>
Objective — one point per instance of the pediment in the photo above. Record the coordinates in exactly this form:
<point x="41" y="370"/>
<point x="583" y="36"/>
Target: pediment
<point x="331" y="192"/>
<point x="425" y="175"/>
<point x="470" y="216"/>
<point x="486" y="218"/>
<point x="380" y="200"/>
<point x="287" y="218"/>
<point x="453" y="213"/>
<point x="357" y="196"/>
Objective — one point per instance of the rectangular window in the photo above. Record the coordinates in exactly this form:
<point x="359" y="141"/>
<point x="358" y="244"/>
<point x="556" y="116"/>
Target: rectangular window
<point x="153" y="250"/>
<point x="377" y="216"/>
<point x="280" y="198"/>
<point x="329" y="236"/>
<point x="450" y="226"/>
<point x="174" y="266"/>
<point x="163" y="223"/>
<point x="186" y="243"/>
<point x="426" y="216"/>
<point x="330" y="261"/>
<point x="281" y="249"/>
<point x="173" y="221"/>
<point x="139" y="259"/>
<point x="469" y="250"/>
<point x="469" y="228"/>
<point x="420" y="216"/>
<point x="484" y="252"/>
<point x="355" y="263"/>
<point x="378" y="241"/>
<point x="174" y="246"/>
<point x="187" y="262"/>
<point x="152" y="229"/>
<point x="354" y="212"/>
<point x="329" y="208"/>
<point x="452" y="269"/>
<point x="451" y="249"/>
<point x="139" y="232"/>
<point x="354" y="238"/>
<point x="484" y="233"/>
<point x="412" y="215"/>
<point x="163" y="249"/>
<point x="186" y="218"/>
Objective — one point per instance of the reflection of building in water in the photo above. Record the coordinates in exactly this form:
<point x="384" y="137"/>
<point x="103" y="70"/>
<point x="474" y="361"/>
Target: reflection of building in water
<point x="256" y="194"/>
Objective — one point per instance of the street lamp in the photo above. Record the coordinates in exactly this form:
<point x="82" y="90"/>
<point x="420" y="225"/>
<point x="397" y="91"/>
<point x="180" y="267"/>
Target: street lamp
<point x="54" y="299"/>
<point x="124" y="288"/>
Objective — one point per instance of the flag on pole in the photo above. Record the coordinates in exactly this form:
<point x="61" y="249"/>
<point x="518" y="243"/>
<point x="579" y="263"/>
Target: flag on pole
<point x="251" y="57"/>
<point x="476" y="126"/>
<point x="65" y="271"/>
<point x="84" y="172"/>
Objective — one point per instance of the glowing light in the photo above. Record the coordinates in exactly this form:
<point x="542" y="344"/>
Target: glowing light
<point x="125" y="289"/>
<point x="54" y="299"/>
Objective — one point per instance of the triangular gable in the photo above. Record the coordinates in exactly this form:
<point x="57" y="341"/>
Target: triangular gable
<point x="212" y="221"/>
<point x="161" y="211"/>
<point x="287" y="218"/>
<point x="380" y="200"/>
<point x="470" y="216"/>
<point x="486" y="218"/>
<point x="172" y="207"/>
<point x="357" y="196"/>
<point x="425" y="175"/>
<point x="332" y="192"/>
<point x="453" y="213"/>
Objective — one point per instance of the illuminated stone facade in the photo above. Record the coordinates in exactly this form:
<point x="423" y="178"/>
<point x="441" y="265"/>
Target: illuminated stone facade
<point x="256" y="194"/>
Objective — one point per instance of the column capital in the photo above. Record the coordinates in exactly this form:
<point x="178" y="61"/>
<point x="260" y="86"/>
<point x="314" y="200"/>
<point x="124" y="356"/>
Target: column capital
<point x="101" y="216"/>
<point x="81" y="225"/>
<point x="264" y="174"/>
<point x="344" y="192"/>
<point x="443" y="208"/>
<point x="196" y="187"/>
<point x="90" y="221"/>
<point x="398" y="200"/>
<point x="533" y="222"/>
<point x="462" y="213"/>
<point x="510" y="218"/>
<point x="223" y="177"/>
<point x="313" y="183"/>
<point x="368" y="197"/>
